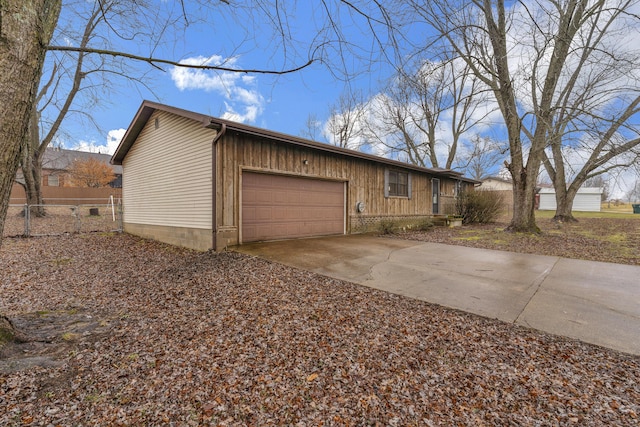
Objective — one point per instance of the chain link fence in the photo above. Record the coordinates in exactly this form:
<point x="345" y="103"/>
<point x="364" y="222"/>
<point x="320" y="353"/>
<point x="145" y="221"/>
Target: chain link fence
<point x="22" y="220"/>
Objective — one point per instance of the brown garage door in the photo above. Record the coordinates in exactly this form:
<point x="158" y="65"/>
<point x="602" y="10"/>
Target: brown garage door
<point x="284" y="207"/>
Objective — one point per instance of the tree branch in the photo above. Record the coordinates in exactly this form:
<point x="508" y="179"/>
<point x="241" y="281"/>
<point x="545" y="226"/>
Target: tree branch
<point x="156" y="61"/>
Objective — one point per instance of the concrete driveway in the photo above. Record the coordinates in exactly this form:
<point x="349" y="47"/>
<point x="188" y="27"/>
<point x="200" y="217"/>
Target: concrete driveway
<point x="590" y="301"/>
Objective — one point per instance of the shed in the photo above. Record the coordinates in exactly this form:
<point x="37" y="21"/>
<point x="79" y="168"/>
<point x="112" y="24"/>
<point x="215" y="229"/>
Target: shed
<point x="588" y="199"/>
<point x="207" y="183"/>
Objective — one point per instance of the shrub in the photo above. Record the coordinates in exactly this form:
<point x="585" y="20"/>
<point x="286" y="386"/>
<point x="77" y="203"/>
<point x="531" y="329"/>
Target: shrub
<point x="390" y="226"/>
<point x="387" y="226"/>
<point x="424" y="225"/>
<point x="479" y="206"/>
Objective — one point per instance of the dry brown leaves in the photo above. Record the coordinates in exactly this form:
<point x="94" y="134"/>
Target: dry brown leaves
<point x="192" y="338"/>
<point x="614" y="240"/>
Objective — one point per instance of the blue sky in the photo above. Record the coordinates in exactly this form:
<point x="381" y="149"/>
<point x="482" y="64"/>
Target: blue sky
<point x="281" y="103"/>
<point x="235" y="36"/>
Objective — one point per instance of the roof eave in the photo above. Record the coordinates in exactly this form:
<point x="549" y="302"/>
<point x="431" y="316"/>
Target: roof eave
<point x="148" y="108"/>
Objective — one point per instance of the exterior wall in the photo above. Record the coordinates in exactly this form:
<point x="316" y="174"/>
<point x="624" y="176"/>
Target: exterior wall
<point x="589" y="202"/>
<point x="365" y="183"/>
<point x="167" y="182"/>
<point x="547" y="201"/>
<point x="586" y="200"/>
<point x="496" y="185"/>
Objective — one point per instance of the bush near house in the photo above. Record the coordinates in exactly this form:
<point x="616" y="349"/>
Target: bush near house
<point x="479" y="207"/>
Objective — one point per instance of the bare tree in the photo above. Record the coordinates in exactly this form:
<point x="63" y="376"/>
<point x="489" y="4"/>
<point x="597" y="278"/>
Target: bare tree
<point x="68" y="75"/>
<point x="423" y="114"/>
<point x="312" y="128"/>
<point x="533" y="57"/>
<point x="599" y="181"/>
<point x="633" y="195"/>
<point x="344" y="127"/>
<point x="481" y="156"/>
<point x="594" y="129"/>
<point x="27" y="27"/>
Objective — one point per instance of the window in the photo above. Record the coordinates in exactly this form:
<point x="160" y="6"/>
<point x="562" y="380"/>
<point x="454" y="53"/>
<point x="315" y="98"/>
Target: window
<point x="53" y="181"/>
<point x="398" y="184"/>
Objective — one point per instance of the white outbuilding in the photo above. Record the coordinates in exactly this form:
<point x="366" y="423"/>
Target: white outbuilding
<point x="588" y="199"/>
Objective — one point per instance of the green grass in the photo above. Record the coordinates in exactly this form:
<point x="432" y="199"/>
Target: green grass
<point x="470" y="238"/>
<point x="578" y="215"/>
<point x="616" y="238"/>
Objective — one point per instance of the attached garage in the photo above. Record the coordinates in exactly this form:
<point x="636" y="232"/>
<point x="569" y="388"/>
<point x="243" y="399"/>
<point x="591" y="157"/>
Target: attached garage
<point x="207" y="183"/>
<point x="278" y="207"/>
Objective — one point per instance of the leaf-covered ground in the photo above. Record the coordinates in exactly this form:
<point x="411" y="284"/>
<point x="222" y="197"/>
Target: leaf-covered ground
<point x="614" y="240"/>
<point x="157" y="335"/>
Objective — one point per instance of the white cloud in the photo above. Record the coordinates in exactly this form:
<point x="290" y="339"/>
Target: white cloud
<point x="113" y="139"/>
<point x="236" y="88"/>
<point x="251" y="112"/>
<point x="109" y="147"/>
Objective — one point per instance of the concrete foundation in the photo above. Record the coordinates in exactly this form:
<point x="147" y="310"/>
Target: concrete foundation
<point x="192" y="238"/>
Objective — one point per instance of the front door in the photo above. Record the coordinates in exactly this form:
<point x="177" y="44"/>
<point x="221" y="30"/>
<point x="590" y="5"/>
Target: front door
<point x="435" y="195"/>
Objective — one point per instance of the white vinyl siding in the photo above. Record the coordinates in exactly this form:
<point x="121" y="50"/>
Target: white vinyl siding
<point x="587" y="199"/>
<point x="167" y="174"/>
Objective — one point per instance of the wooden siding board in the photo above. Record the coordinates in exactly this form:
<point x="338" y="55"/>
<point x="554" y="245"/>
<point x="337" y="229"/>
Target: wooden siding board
<point x="167" y="175"/>
<point x="366" y="179"/>
<point x="230" y="189"/>
<point x="236" y="151"/>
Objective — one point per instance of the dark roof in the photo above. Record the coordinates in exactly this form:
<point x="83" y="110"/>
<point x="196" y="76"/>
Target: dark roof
<point x="60" y="159"/>
<point x="148" y="108"/>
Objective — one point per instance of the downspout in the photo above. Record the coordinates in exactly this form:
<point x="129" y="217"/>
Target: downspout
<point x="214" y="185"/>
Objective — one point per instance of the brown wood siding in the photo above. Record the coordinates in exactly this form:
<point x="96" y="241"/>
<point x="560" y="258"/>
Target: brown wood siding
<point x="240" y="153"/>
<point x="68" y="195"/>
<point x="280" y="207"/>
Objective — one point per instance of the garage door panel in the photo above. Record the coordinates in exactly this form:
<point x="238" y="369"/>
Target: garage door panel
<point x="280" y="207"/>
<point x="263" y="213"/>
<point x="263" y="197"/>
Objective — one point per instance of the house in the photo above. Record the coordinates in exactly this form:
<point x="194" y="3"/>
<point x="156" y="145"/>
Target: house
<point x="496" y="183"/>
<point x="587" y="199"/>
<point x="56" y="165"/>
<point x="207" y="183"/>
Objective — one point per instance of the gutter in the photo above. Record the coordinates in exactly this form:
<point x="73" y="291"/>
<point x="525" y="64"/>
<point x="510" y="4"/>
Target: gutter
<point x="214" y="185"/>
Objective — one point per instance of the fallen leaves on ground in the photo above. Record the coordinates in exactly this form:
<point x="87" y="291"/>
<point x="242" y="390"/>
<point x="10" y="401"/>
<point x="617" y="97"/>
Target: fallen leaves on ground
<point x="188" y="338"/>
<point x="615" y="240"/>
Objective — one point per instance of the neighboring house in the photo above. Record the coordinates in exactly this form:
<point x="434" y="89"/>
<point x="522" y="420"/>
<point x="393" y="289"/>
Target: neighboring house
<point x="588" y="199"/>
<point x="56" y="164"/>
<point x="208" y="183"/>
<point x="496" y="183"/>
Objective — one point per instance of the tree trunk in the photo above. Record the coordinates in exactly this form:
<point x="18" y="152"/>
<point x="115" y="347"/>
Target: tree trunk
<point x="564" y="203"/>
<point x="26" y="27"/>
<point x="32" y="187"/>
<point x="524" y="196"/>
<point x="31" y="165"/>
